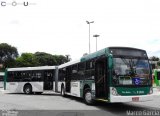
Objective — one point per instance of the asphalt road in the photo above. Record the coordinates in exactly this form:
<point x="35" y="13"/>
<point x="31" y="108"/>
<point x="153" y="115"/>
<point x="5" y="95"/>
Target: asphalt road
<point x="50" y="103"/>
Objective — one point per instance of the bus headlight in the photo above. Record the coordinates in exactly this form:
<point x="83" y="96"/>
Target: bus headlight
<point x="114" y="91"/>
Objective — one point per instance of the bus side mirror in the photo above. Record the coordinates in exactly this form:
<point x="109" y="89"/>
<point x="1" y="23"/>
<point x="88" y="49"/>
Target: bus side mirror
<point x="110" y="61"/>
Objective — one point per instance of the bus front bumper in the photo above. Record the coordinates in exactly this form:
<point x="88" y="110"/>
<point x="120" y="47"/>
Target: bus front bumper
<point x="140" y="98"/>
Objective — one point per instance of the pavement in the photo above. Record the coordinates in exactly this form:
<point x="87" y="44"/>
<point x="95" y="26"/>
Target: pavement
<point x="50" y="101"/>
<point x="156" y="91"/>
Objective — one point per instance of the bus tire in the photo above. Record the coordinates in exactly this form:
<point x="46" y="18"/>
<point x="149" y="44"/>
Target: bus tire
<point x="63" y="91"/>
<point x="27" y="89"/>
<point x="88" y="97"/>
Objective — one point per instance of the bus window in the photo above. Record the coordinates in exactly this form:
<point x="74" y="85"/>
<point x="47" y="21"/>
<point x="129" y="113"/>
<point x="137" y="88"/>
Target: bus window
<point x="74" y="72"/>
<point x="90" y="71"/>
<point x="81" y="71"/>
<point x="36" y="76"/>
<point x="62" y="73"/>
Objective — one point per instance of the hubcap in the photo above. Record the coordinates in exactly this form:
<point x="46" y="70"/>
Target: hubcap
<point x="27" y="90"/>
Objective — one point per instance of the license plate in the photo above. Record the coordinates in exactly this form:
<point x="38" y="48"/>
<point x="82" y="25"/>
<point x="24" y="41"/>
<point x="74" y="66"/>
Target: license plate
<point x="135" y="99"/>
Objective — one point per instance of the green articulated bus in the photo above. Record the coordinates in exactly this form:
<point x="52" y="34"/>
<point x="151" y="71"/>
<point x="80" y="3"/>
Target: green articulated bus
<point x="113" y="74"/>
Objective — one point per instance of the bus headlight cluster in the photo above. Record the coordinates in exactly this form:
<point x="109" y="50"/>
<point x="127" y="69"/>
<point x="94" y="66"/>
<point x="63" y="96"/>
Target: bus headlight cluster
<point x="114" y="91"/>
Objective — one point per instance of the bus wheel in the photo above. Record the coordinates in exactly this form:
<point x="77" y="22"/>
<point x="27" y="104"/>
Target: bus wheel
<point x="63" y="91"/>
<point x="88" y="97"/>
<point x="27" y="89"/>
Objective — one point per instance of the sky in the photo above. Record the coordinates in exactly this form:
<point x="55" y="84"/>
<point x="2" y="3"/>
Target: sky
<point x="59" y="26"/>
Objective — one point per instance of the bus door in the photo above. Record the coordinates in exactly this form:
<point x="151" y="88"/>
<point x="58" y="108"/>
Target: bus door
<point x="68" y="79"/>
<point x="101" y="78"/>
<point x="48" y="79"/>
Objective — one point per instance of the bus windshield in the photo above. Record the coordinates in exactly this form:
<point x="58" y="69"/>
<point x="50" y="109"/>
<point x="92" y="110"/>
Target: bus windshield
<point x="131" y="71"/>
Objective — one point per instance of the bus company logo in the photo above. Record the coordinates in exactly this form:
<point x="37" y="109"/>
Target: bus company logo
<point x="15" y="3"/>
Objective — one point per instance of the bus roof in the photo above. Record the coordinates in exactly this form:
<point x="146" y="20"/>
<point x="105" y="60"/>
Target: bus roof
<point x="93" y="55"/>
<point x="31" y="68"/>
<point x="68" y="63"/>
<point x="126" y="48"/>
<point x="106" y="51"/>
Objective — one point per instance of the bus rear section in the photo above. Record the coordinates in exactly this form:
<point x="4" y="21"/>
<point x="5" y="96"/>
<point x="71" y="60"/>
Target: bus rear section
<point x="30" y="79"/>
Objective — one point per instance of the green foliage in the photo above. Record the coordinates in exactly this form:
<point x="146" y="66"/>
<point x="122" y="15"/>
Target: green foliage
<point x="61" y="59"/>
<point x="8" y="54"/>
<point x="45" y="59"/>
<point x="154" y="58"/>
<point x="9" y="58"/>
<point x="26" y="60"/>
<point x="40" y="59"/>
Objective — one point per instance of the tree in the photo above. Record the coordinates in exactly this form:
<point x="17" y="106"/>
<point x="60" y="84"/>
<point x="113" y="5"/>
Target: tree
<point x="154" y="58"/>
<point x="158" y="63"/>
<point x="45" y="59"/>
<point x="9" y="58"/>
<point x="26" y="60"/>
<point x="62" y="59"/>
<point x="40" y="59"/>
<point x="8" y="54"/>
